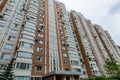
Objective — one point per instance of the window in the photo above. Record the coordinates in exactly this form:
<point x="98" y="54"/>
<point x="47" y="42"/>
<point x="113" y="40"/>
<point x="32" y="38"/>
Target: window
<point x="15" y="25"/>
<point x="3" y="21"/>
<point x="61" y="32"/>
<point x="38" y="78"/>
<point x="63" y="42"/>
<point x="8" y="46"/>
<point x="8" y="10"/>
<point x="27" y="36"/>
<point x="24" y="54"/>
<point x="13" y="31"/>
<point x="96" y="72"/>
<point x="73" y="62"/>
<point x="38" y="68"/>
<point x="73" y="55"/>
<point x="11" y="38"/>
<point x="67" y="69"/>
<point x="30" y="24"/>
<point x="12" y="2"/>
<point x="39" y="49"/>
<point x="17" y="65"/>
<point x="5" y="56"/>
<point x="93" y="65"/>
<point x="39" y="58"/>
<point x="2" y="66"/>
<point x="40" y="42"/>
<point x="62" y="37"/>
<point x="10" y="6"/>
<point x="65" y="62"/>
<point x="63" y="48"/>
<point x="17" y="20"/>
<point x="71" y="49"/>
<point x="40" y="35"/>
<point x="22" y="78"/>
<point x="76" y="70"/>
<point x="40" y="29"/>
<point x="27" y="45"/>
<point x="1" y="27"/>
<point x="25" y="66"/>
<point x="29" y="29"/>
<point x="84" y="72"/>
<point x="64" y="54"/>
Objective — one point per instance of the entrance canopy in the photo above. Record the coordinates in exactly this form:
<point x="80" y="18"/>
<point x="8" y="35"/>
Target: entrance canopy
<point x="62" y="75"/>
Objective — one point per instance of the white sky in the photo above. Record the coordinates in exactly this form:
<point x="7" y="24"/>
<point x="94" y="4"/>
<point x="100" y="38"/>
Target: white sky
<point x="102" y="12"/>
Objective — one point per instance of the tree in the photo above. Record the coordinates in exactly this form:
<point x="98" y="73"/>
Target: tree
<point x="97" y="78"/>
<point x="100" y="78"/>
<point x="112" y="68"/>
<point x="8" y="74"/>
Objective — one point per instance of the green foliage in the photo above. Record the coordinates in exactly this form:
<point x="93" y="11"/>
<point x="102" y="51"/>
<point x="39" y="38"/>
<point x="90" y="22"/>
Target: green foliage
<point x="97" y="78"/>
<point x="112" y="68"/>
<point x="100" y="78"/>
<point x="8" y="74"/>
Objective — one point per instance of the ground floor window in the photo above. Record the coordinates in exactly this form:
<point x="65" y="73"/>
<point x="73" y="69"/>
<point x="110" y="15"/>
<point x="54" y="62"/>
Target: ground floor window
<point x="22" y="78"/>
<point x="37" y="78"/>
<point x="67" y="78"/>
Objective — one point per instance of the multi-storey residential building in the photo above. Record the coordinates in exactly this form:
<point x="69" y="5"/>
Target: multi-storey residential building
<point x="97" y="45"/>
<point x="51" y="43"/>
<point x="118" y="47"/>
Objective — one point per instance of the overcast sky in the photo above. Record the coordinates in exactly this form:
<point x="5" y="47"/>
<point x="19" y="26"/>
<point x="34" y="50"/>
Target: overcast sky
<point x="102" y="12"/>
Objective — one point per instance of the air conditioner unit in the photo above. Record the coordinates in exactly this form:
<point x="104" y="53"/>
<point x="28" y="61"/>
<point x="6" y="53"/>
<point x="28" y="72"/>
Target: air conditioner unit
<point x="36" y="40"/>
<point x="1" y="16"/>
<point x="17" y="48"/>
